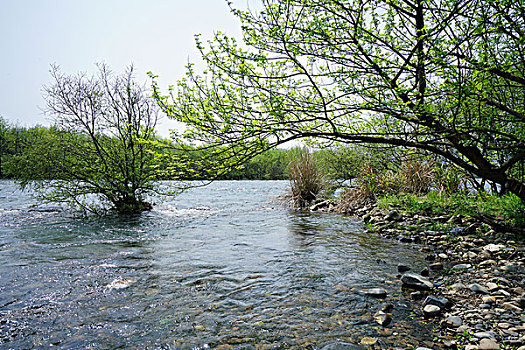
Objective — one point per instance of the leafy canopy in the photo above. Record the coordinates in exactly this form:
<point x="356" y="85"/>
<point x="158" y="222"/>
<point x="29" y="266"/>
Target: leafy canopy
<point x="443" y="76"/>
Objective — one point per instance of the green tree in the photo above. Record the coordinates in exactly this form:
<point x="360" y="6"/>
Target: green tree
<point x="443" y="76"/>
<point x="101" y="152"/>
<point x="4" y="128"/>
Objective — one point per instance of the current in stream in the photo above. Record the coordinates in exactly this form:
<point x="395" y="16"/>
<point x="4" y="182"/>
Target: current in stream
<point x="223" y="266"/>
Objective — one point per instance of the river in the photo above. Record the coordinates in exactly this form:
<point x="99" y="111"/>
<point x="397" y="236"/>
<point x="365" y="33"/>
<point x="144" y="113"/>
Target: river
<point x="223" y="266"/>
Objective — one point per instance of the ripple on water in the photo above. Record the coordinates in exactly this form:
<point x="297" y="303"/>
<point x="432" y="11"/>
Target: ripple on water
<point x="215" y="266"/>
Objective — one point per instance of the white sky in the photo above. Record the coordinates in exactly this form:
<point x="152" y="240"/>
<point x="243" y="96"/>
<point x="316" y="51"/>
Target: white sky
<point x="153" y="35"/>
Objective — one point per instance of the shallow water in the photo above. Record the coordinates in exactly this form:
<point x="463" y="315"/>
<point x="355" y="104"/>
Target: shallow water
<point x="215" y="266"/>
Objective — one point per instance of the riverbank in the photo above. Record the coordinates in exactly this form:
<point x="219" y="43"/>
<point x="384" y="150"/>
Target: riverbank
<point x="476" y="271"/>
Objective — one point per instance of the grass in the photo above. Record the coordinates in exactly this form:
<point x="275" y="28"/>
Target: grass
<point x="507" y="209"/>
<point x="306" y="180"/>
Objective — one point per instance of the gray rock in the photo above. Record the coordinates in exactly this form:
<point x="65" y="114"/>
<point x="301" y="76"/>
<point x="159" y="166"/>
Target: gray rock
<point x="375" y="292"/>
<point x="488" y="344"/>
<point x="394" y="215"/>
<point x="415" y="281"/>
<point x="450" y="344"/>
<point x="483" y="335"/>
<point x="452" y="322"/>
<point x="458" y="286"/>
<point x="436" y="267"/>
<point x="341" y="346"/>
<point x="438" y="301"/>
<point x="478" y="289"/>
<point x="493" y="248"/>
<point x="491" y="286"/>
<point x="402" y="268"/>
<point x="431" y="310"/>
<point x="461" y="267"/>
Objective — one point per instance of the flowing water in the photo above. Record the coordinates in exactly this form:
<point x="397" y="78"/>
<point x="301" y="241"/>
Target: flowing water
<point x="217" y="267"/>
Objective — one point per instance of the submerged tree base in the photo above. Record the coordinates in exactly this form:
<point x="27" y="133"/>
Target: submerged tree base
<point x="132" y="207"/>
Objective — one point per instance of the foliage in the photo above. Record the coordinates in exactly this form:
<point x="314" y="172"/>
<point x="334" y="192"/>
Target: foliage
<point x="508" y="208"/>
<point x="443" y="76"/>
<point x="306" y="180"/>
<point x="100" y="153"/>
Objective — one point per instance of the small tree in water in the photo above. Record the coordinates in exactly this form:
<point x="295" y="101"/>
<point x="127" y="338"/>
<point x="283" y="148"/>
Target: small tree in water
<point x="100" y="155"/>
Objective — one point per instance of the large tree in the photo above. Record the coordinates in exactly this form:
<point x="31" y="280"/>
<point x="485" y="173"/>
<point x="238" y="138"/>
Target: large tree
<point x="443" y="76"/>
<point x="100" y="154"/>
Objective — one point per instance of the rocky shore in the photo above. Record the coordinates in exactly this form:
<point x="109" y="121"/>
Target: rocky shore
<point x="471" y="295"/>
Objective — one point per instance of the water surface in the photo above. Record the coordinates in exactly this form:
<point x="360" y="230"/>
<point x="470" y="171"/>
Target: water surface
<point x="216" y="267"/>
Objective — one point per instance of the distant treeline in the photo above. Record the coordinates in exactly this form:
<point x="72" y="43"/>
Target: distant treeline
<point x="21" y="147"/>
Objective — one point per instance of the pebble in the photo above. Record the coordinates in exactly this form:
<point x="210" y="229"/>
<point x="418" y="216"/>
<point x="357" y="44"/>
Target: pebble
<point x="368" y="341"/>
<point x="376" y="292"/>
<point x="436" y="267"/>
<point x="478" y="289"/>
<point x="489" y="299"/>
<point x="511" y="306"/>
<point x="461" y="267"/>
<point x="452" y="322"/>
<point x="431" y="310"/>
<point x="493" y="248"/>
<point x="415" y="281"/>
<point x="488" y="344"/>
<point x="438" y="301"/>
<point x="482" y="335"/>
<point x="491" y="286"/>
<point x="382" y="319"/>
<point x="402" y="268"/>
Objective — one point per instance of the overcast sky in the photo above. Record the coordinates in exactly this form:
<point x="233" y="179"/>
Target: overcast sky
<point x="153" y="35"/>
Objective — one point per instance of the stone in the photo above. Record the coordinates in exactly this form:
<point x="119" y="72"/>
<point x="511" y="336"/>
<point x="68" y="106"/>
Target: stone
<point x="375" y="292"/>
<point x="422" y="348"/>
<point x="415" y="281"/>
<point x="491" y="286"/>
<point x="368" y="341"/>
<point x="340" y="346"/>
<point x="489" y="299"/>
<point x="394" y="215"/>
<point x="452" y="322"/>
<point x="402" y="268"/>
<point x="493" y="248"/>
<point x="382" y="319"/>
<point x="436" y="267"/>
<point x="438" y="301"/>
<point x="488" y="344"/>
<point x="450" y="344"/>
<point x="461" y="267"/>
<point x="483" y="335"/>
<point x="443" y="256"/>
<point x="478" y="289"/>
<point x="425" y="272"/>
<point x="521" y="301"/>
<point x="431" y="311"/>
<point x="511" y="306"/>
<point x="458" y="286"/>
<point x="387" y="307"/>
<point x="416" y="295"/>
<point x="470" y="255"/>
<point x="488" y="263"/>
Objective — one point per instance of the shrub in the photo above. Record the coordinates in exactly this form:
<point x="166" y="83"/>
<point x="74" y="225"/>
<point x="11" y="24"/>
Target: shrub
<point x="306" y="181"/>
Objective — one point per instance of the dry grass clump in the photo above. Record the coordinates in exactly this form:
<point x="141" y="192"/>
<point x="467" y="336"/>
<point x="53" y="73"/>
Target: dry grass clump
<point x="414" y="176"/>
<point x="306" y="180"/>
